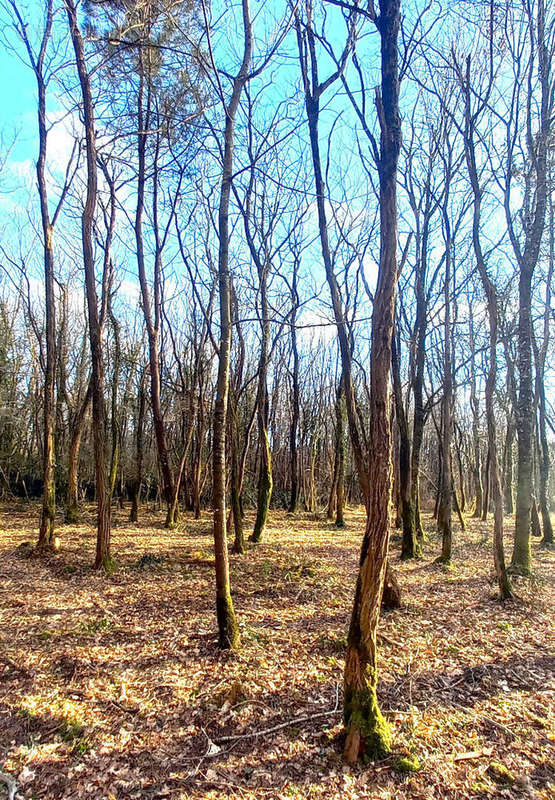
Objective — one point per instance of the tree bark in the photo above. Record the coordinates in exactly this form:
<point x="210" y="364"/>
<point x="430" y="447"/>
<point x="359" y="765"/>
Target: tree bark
<point x="527" y="258"/>
<point x="492" y="304"/>
<point x="295" y="397"/>
<point x="227" y="623"/>
<point x="340" y="450"/>
<point x="139" y="452"/>
<point x="367" y="730"/>
<point x="103" y="557"/>
<point x="265" y="479"/>
<point x="410" y="546"/>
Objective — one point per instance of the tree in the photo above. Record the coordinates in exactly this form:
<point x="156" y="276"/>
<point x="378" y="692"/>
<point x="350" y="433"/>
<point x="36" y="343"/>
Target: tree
<point x="103" y="556"/>
<point x="526" y="244"/>
<point x="42" y="67"/>
<point x="367" y="730"/>
<point x="227" y="623"/>
<point x="468" y="129"/>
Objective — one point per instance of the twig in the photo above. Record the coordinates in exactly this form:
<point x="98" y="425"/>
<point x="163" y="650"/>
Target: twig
<point x="294" y="721"/>
<point x="500" y="726"/>
<point x="389" y="641"/>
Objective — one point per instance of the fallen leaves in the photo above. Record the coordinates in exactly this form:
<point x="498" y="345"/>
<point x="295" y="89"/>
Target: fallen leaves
<point x="114" y="687"/>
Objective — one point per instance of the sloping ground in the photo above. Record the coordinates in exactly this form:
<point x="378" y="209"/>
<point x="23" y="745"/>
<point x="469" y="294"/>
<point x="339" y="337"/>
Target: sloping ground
<point x="114" y="688"/>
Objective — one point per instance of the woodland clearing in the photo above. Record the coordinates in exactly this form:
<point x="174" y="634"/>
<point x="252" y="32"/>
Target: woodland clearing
<point x="113" y="686"/>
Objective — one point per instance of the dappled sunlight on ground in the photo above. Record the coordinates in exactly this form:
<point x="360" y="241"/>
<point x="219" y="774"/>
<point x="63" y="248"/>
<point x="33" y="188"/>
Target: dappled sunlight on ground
<point x="113" y="686"/>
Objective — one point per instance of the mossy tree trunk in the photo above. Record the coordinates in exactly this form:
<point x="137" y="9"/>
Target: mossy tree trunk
<point x="533" y="212"/>
<point x="367" y="731"/>
<point x="366" y="728"/>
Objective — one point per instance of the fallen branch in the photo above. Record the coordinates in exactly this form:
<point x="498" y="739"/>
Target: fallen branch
<point x="391" y="642"/>
<point x="282" y="725"/>
<point x="11" y="785"/>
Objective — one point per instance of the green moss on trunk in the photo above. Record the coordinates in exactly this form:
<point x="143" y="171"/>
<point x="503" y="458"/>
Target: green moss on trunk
<point x="239" y="545"/>
<point x="411" y="546"/>
<point x="72" y="514"/>
<point x="362" y="715"/>
<point x="229" y="638"/>
<point x="171" y="517"/>
<point x="265" y="486"/>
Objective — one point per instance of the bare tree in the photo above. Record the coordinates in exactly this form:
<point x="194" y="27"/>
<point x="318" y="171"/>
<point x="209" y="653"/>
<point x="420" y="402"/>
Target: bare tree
<point x="103" y="557"/>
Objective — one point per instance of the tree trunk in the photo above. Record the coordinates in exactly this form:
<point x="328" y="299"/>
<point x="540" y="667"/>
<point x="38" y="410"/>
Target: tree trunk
<point x="410" y="547"/>
<point x="445" y="510"/>
<point x="474" y="404"/>
<point x="103" y="558"/>
<point x="367" y="730"/>
<point x="541" y="354"/>
<point x="77" y="428"/>
<point x="508" y="467"/>
<point x="48" y="513"/>
<point x="295" y="397"/>
<point x="139" y="445"/>
<point x="527" y="260"/>
<point x="152" y="316"/>
<point x="265" y="480"/>
<point x="485" y="505"/>
<point x="492" y="303"/>
<point x="227" y="623"/>
<point x="340" y="450"/>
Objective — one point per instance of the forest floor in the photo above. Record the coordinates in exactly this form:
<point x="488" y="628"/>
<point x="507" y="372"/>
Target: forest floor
<point x="113" y="687"/>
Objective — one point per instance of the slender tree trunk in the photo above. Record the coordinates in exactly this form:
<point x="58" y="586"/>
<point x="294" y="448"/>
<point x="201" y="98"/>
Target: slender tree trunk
<point x="459" y="451"/>
<point x="410" y="547"/>
<point x="265" y="479"/>
<point x="541" y="354"/>
<point x="77" y="428"/>
<point x="48" y="513"/>
<point x="332" y="497"/>
<point x="115" y="423"/>
<point x="340" y="450"/>
<point x="508" y="466"/>
<point x="295" y="398"/>
<point x="367" y="730"/>
<point x="227" y="623"/>
<point x="103" y="558"/>
<point x="152" y="316"/>
<point x="419" y="414"/>
<point x="445" y="510"/>
<point x="491" y="297"/>
<point x="528" y="258"/>
<point x="139" y="449"/>
<point x="474" y="404"/>
<point x="487" y="484"/>
<point x="239" y="544"/>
